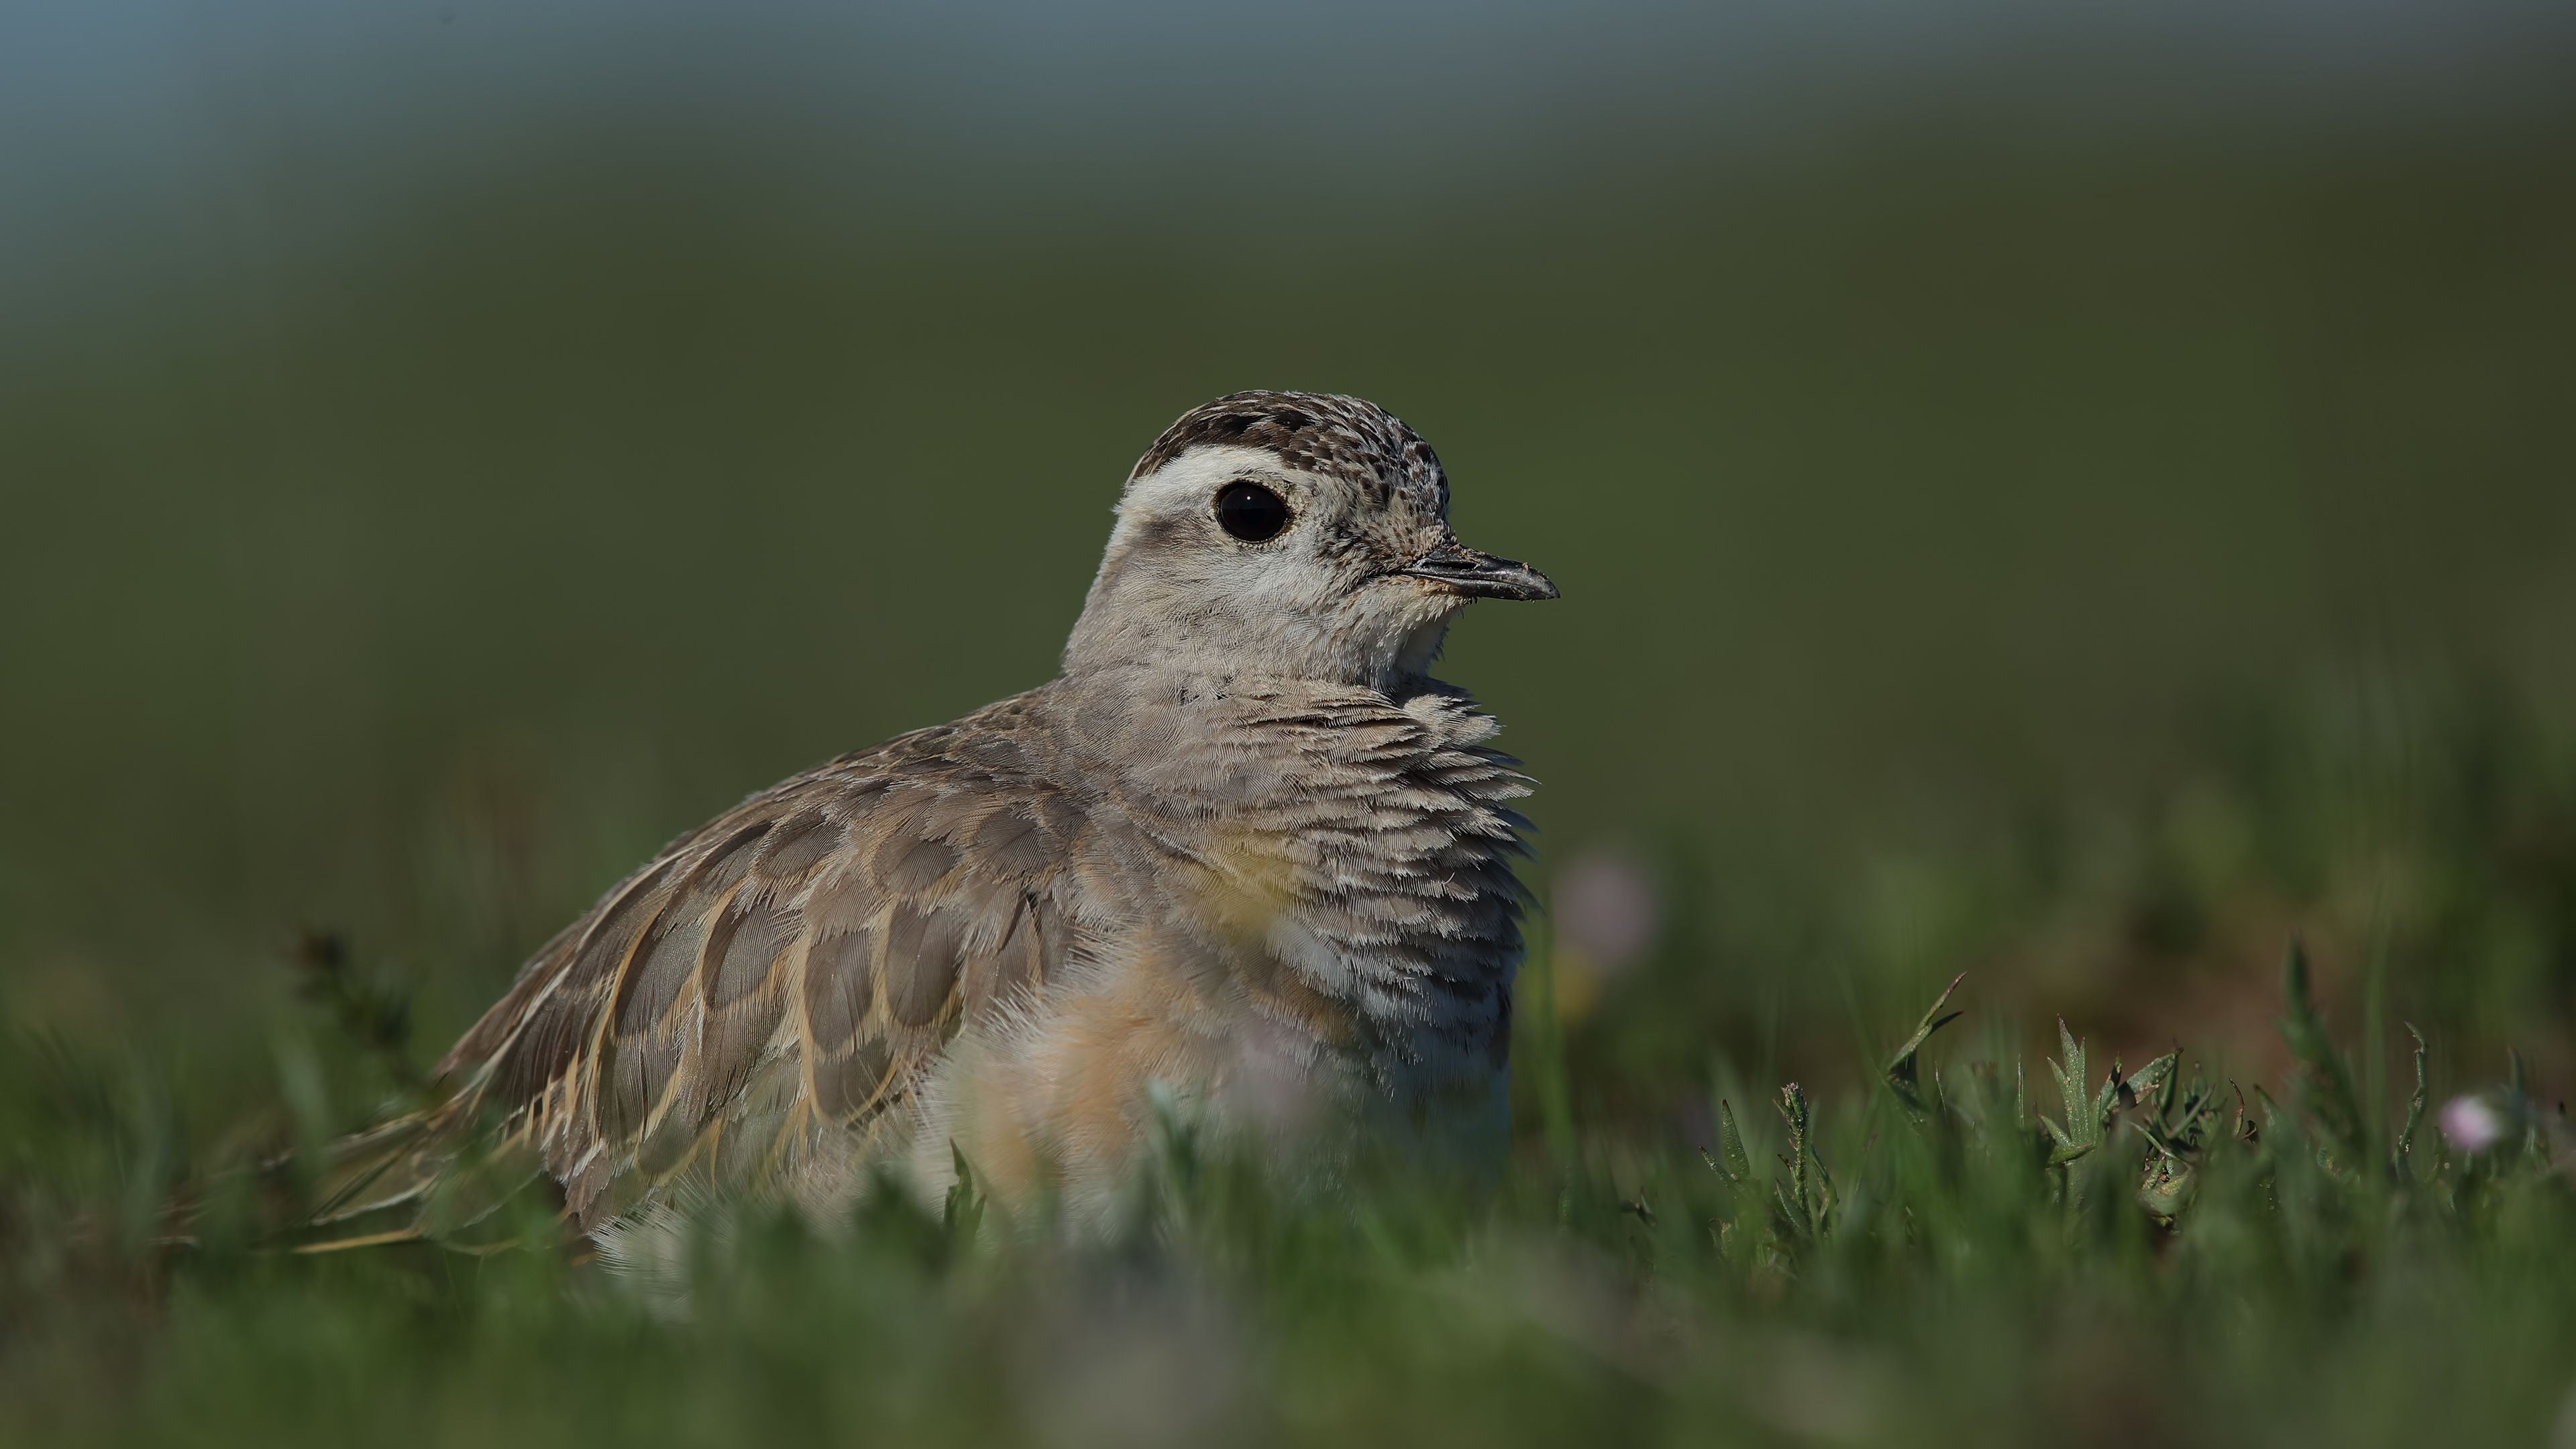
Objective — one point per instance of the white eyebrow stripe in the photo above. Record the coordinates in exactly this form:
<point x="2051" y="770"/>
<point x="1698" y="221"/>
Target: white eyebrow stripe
<point x="1189" y="482"/>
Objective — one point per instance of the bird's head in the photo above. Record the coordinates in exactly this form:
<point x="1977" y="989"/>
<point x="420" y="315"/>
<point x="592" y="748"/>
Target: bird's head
<point x="1291" y="534"/>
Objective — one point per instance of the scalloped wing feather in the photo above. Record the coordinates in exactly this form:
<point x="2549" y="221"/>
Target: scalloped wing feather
<point x="767" y="992"/>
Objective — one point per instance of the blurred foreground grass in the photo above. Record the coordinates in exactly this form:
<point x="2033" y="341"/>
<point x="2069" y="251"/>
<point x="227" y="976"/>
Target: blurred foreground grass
<point x="1943" y="1259"/>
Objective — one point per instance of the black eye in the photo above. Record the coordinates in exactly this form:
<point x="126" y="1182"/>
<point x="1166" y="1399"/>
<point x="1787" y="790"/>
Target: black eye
<point x="1251" y="512"/>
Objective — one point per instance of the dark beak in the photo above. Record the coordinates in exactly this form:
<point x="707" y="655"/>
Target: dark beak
<point x="1481" y="575"/>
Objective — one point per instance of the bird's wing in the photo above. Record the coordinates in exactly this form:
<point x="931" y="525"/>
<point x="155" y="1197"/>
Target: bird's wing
<point x="773" y="984"/>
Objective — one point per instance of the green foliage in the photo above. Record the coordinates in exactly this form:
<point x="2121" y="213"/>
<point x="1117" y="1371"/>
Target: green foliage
<point x="2404" y="1160"/>
<point x="373" y="1015"/>
<point x="2086" y="1117"/>
<point x="2176" y="1125"/>
<point x="1803" y="1202"/>
<point x="2321" y="1083"/>
<point x="1956" y="1279"/>
<point x="1904" y="1071"/>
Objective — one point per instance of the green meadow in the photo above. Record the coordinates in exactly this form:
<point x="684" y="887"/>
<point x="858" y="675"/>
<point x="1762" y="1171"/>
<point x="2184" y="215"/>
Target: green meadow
<point x="2132" y="566"/>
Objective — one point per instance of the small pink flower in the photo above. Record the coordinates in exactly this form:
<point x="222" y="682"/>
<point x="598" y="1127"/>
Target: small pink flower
<point x="1607" y="913"/>
<point x="2470" y="1125"/>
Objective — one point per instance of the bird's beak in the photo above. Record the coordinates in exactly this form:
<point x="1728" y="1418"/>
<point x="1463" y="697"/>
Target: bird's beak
<point x="1480" y="575"/>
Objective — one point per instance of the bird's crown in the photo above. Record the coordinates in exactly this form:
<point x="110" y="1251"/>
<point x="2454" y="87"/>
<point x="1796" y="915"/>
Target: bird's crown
<point x="1346" y="437"/>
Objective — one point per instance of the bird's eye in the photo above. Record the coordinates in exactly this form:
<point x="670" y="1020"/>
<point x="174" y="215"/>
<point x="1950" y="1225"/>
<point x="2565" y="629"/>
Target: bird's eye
<point x="1251" y="512"/>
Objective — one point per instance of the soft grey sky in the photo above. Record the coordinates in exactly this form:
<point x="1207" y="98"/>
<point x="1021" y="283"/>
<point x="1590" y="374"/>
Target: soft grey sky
<point x="138" y="133"/>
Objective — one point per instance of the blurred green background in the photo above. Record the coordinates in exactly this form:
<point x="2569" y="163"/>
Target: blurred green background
<point x="2073" y="496"/>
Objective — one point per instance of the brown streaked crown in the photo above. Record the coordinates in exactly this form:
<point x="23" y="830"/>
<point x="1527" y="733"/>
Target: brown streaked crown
<point x="1317" y="432"/>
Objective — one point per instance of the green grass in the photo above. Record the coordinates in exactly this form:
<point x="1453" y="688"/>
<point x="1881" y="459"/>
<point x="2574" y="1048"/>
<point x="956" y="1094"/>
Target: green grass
<point x="1966" y="1244"/>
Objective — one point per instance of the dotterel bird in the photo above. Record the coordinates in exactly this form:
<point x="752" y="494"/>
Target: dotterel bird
<point x="1244" y="847"/>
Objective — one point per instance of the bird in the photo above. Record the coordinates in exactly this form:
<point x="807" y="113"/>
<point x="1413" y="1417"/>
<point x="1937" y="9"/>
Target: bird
<point x="1243" y="854"/>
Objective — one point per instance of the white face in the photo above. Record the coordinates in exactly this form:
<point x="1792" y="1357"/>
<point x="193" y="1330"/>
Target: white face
<point x="1326" y="596"/>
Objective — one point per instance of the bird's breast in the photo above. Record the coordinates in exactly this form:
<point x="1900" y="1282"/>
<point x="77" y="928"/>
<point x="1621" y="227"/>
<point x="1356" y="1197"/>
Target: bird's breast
<point x="1298" y="900"/>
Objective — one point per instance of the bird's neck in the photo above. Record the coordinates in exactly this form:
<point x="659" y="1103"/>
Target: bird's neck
<point x="1389" y="650"/>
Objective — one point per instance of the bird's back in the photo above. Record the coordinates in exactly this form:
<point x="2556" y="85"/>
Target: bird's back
<point x="753" y="1005"/>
